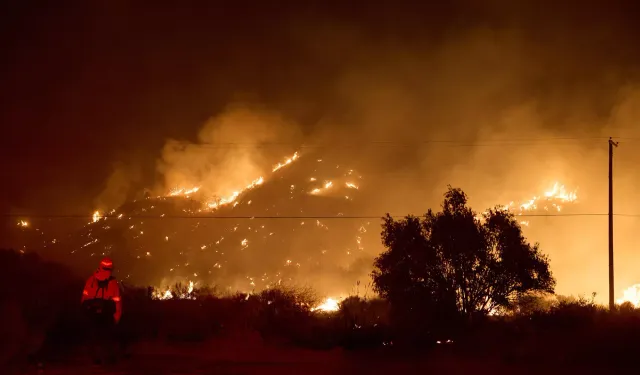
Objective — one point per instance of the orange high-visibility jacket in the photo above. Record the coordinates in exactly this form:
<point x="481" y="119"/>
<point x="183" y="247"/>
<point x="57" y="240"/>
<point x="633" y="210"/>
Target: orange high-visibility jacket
<point x="112" y="291"/>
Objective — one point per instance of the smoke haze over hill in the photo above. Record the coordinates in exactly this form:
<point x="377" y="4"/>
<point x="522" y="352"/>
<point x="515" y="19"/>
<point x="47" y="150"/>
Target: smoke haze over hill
<point x="502" y="100"/>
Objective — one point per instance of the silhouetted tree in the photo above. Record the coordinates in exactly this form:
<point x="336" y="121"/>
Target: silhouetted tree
<point x="456" y="261"/>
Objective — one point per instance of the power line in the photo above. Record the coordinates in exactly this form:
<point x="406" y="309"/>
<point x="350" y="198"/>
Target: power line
<point x="274" y="217"/>
<point x="528" y="139"/>
<point x="432" y="142"/>
<point x="444" y="143"/>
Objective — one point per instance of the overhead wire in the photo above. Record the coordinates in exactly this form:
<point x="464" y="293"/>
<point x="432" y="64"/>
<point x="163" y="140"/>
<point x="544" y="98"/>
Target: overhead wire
<point x="400" y="143"/>
<point x="277" y="217"/>
<point x="540" y="141"/>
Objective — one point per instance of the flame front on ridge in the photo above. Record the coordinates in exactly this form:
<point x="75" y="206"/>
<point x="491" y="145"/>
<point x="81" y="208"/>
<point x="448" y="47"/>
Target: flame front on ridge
<point x="222" y="201"/>
<point x="552" y="199"/>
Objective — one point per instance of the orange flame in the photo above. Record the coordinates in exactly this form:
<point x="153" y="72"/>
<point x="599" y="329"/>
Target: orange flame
<point x="551" y="200"/>
<point x="286" y="162"/>
<point x="632" y="295"/>
<point x="329" y="305"/>
<point x="222" y="201"/>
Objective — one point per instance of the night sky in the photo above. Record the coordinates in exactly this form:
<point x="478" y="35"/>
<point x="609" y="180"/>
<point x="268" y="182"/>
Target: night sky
<point x="90" y="85"/>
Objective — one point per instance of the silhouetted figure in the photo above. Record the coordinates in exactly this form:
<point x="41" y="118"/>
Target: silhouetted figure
<point x="103" y="307"/>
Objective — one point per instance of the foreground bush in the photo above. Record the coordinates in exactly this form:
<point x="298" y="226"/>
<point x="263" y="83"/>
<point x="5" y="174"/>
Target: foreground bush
<point x="40" y="317"/>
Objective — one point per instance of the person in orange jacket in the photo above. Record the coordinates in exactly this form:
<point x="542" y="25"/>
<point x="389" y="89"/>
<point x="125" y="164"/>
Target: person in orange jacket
<point x="103" y="307"/>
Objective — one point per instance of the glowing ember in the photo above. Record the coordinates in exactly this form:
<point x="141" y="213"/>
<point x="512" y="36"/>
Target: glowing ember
<point x="23" y="223"/>
<point x="351" y="185"/>
<point x="96" y="216"/>
<point x="329" y="305"/>
<point x="632" y="295"/>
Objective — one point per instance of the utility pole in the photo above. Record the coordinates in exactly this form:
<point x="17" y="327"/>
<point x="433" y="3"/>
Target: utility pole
<point x="612" y="304"/>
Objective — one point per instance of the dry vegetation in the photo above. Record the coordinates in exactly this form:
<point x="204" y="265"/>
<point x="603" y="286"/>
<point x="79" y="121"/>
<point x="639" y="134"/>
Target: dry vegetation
<point x="41" y="320"/>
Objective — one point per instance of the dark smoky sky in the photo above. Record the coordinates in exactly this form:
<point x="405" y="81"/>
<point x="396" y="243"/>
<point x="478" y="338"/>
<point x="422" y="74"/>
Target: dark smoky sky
<point x="89" y="88"/>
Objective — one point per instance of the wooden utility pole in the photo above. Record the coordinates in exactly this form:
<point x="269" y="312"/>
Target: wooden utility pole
<point x="612" y="304"/>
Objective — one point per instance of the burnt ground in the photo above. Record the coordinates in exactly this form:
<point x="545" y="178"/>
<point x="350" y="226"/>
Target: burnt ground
<point x="249" y="355"/>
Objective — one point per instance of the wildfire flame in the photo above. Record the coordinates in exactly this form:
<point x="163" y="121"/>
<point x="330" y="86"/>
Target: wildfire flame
<point x="632" y="295"/>
<point x="223" y="201"/>
<point x="168" y="295"/>
<point x="286" y="162"/>
<point x="182" y="191"/>
<point x="230" y="199"/>
<point x="329" y="305"/>
<point x="165" y="293"/>
<point x="552" y="199"/>
<point x="200" y="193"/>
<point x="23" y="223"/>
<point x="327" y="185"/>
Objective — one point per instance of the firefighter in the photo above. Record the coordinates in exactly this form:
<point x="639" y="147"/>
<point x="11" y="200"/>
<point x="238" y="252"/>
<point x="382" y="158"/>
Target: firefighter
<point x="103" y="308"/>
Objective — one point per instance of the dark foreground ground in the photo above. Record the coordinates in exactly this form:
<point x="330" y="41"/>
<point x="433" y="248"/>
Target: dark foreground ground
<point x="249" y="355"/>
<point x="41" y="317"/>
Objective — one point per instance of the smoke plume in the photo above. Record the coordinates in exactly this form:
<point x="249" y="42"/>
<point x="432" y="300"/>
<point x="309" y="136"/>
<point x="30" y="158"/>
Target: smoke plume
<point x="233" y="149"/>
<point x="120" y="186"/>
<point x="501" y="99"/>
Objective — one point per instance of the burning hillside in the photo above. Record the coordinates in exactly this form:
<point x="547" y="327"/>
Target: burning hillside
<point x="552" y="201"/>
<point x="300" y="223"/>
<point x="291" y="226"/>
<point x="297" y="225"/>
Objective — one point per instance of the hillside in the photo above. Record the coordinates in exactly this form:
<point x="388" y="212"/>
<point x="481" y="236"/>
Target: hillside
<point x="292" y="226"/>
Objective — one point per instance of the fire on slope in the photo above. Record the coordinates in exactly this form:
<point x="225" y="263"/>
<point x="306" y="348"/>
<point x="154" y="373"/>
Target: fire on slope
<point x="552" y="200"/>
<point x="218" y="202"/>
<point x="331" y="303"/>
<point x="214" y="203"/>
<point x="168" y="294"/>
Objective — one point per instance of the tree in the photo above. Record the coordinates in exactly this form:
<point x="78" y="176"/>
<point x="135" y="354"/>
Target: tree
<point x="458" y="261"/>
